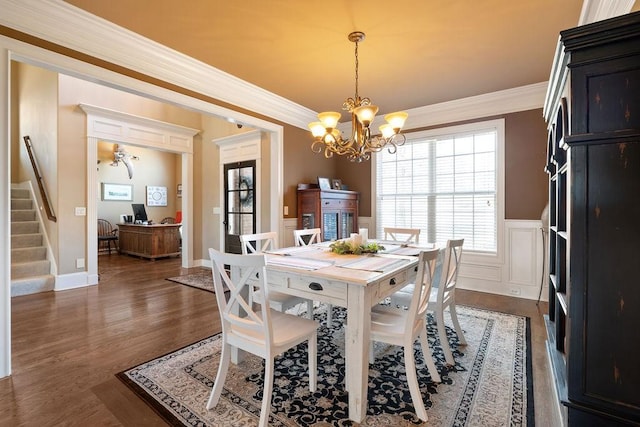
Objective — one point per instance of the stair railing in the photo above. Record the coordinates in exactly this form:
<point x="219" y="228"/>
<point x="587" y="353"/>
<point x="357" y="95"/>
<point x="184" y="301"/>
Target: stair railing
<point x="40" y="179"/>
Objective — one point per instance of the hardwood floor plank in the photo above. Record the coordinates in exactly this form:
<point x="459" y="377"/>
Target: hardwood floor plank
<point x="67" y="346"/>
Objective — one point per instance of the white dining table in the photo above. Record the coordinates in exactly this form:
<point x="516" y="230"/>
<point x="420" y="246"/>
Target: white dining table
<point x="356" y="282"/>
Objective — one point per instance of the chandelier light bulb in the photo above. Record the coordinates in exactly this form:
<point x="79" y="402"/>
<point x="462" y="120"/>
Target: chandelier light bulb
<point x="387" y="130"/>
<point x="366" y="114"/>
<point x="329" y="119"/>
<point x="317" y="129"/>
<point x="396" y="120"/>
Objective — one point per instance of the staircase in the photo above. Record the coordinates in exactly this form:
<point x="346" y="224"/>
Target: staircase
<point x="30" y="268"/>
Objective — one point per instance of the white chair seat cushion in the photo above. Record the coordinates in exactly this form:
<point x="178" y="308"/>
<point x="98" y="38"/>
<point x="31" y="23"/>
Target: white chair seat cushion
<point x="387" y="322"/>
<point x="287" y="329"/>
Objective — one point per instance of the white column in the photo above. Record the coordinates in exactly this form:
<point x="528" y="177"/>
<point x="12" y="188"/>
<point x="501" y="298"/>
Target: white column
<point x="5" y="227"/>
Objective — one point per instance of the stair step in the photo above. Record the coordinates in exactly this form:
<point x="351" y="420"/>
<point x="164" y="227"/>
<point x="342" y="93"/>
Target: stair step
<point x="21" y="270"/>
<point x="20" y="215"/>
<point x="26" y="240"/>
<point x="32" y="285"/>
<point x="19" y="204"/>
<point x="20" y="193"/>
<point x="25" y="227"/>
<point x="20" y="255"/>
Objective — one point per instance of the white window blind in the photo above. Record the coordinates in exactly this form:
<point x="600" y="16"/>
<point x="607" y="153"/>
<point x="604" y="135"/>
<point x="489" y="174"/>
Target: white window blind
<point x="446" y="185"/>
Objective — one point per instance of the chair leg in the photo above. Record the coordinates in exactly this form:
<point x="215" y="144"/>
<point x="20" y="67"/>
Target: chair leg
<point x="428" y="357"/>
<point x="309" y="309"/>
<point x="109" y="246"/>
<point x="223" y="368"/>
<point x="313" y="361"/>
<point x="456" y="324"/>
<point x="265" y="410"/>
<point x="412" y="380"/>
<point x="442" y="334"/>
<point x="329" y="315"/>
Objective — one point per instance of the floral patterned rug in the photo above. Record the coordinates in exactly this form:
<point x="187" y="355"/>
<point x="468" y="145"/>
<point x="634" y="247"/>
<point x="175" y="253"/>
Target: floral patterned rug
<point x="490" y="385"/>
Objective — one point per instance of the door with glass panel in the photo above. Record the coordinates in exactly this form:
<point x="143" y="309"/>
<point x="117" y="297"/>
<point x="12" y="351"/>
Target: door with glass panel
<point x="240" y="203"/>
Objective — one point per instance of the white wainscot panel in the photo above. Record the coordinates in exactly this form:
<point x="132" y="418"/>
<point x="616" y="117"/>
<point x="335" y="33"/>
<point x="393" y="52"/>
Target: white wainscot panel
<point x="525" y="259"/>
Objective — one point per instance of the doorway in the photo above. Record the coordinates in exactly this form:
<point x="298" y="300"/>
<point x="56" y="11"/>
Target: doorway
<point x="240" y="203"/>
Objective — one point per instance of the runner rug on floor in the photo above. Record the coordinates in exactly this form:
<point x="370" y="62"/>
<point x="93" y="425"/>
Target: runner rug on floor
<point x="202" y="280"/>
<point x="490" y="385"/>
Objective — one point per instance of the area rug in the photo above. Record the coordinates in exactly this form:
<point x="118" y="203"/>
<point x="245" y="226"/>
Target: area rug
<point x="201" y="280"/>
<point x="490" y="384"/>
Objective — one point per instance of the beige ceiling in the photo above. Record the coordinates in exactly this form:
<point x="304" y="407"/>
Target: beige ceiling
<point x="416" y="53"/>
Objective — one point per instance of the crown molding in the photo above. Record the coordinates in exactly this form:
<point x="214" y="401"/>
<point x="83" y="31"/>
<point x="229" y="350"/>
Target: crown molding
<point x="76" y="29"/>
<point x="597" y="10"/>
<point x="506" y="101"/>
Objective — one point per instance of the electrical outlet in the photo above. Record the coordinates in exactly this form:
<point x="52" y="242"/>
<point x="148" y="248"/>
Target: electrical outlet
<point x="81" y="211"/>
<point x="514" y="291"/>
<point x="80" y="263"/>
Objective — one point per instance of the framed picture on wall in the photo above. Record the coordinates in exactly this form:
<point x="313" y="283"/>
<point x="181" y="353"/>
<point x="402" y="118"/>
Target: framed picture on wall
<point x="324" y="183"/>
<point x="117" y="192"/>
<point x="156" y="196"/>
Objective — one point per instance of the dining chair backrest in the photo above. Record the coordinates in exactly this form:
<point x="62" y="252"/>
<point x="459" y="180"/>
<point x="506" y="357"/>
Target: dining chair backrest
<point x="240" y="320"/>
<point x="404" y="235"/>
<point x="259" y="242"/>
<point x="427" y="261"/>
<point x="314" y="235"/>
<point x="449" y="271"/>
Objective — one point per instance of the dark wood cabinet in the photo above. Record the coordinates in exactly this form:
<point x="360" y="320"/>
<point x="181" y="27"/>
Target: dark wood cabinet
<point x="594" y="197"/>
<point x="335" y="212"/>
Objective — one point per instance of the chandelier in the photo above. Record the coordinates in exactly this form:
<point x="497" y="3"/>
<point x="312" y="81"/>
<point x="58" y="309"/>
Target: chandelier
<point x="328" y="137"/>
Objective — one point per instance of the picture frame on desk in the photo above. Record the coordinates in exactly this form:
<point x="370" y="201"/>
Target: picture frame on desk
<point x="117" y="192"/>
<point x="336" y="184"/>
<point x="324" y="183"/>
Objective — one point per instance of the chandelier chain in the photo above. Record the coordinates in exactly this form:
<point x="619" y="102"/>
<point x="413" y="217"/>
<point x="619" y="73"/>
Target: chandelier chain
<point x="357" y="96"/>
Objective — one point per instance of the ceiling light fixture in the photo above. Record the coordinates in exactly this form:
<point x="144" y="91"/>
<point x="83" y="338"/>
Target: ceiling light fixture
<point x="328" y="137"/>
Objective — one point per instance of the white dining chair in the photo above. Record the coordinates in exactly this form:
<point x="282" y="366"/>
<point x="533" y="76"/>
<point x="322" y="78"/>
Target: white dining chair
<point x="442" y="297"/>
<point x="403" y="327"/>
<point x="258" y="243"/>
<point x="404" y="235"/>
<point x="307" y="237"/>
<point x="264" y="332"/>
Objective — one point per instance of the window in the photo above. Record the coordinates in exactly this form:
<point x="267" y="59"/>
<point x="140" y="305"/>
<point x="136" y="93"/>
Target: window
<point x="447" y="182"/>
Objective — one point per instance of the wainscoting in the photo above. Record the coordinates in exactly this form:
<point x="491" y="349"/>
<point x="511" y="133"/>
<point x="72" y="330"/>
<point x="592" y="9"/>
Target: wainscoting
<point x="517" y="273"/>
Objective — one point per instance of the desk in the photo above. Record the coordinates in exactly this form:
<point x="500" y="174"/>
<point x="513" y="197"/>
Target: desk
<point x="346" y="281"/>
<point x="149" y="241"/>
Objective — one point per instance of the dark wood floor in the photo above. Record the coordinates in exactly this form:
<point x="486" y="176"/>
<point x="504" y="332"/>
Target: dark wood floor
<point x="68" y="345"/>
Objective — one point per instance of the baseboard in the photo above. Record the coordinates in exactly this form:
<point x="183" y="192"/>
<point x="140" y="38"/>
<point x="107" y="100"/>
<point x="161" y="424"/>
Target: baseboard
<point x="74" y="280"/>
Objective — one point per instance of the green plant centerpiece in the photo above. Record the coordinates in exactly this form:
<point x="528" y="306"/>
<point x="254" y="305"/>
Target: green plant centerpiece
<point x="348" y="247"/>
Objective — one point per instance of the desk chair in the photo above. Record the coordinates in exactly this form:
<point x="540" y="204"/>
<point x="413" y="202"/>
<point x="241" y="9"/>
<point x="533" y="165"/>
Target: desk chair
<point x="404" y="235"/>
<point x="257" y="244"/>
<point x="403" y="327"/>
<point x="265" y="332"/>
<point x="107" y="233"/>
